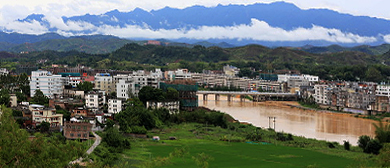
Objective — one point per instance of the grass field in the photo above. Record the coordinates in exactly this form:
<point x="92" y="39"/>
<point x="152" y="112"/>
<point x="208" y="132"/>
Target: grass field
<point x="195" y="142"/>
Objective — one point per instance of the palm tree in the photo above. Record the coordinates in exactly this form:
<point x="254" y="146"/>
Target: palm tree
<point x="382" y="132"/>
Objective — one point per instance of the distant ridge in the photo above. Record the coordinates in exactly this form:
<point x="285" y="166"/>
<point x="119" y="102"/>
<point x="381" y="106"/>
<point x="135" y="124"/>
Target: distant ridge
<point x="240" y="25"/>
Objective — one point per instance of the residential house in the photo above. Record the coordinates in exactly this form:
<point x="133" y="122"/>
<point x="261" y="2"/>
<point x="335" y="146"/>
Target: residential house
<point x="41" y="113"/>
<point x="77" y="129"/>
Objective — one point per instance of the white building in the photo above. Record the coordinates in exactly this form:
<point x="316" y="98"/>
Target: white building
<point x="310" y="78"/>
<point x="286" y="77"/>
<point x="133" y="84"/>
<point x="114" y="106"/>
<point x="48" y="83"/>
<point x="231" y="70"/>
<point x="3" y="71"/>
<point x="172" y="106"/>
<point x="321" y="94"/>
<point x="73" y="80"/>
<point x="95" y="100"/>
<point x="383" y="90"/>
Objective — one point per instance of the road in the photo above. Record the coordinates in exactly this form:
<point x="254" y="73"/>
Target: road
<point x="90" y="150"/>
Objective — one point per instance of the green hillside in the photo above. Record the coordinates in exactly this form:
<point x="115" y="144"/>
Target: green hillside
<point x="95" y="46"/>
<point x="372" y="50"/>
<point x="345" y="65"/>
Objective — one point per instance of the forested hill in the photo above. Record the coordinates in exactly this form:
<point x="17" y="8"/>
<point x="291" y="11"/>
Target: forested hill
<point x="372" y="50"/>
<point x="133" y="56"/>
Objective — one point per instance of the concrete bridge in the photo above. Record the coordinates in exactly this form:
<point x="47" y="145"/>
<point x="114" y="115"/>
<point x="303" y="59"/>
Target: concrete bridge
<point x="257" y="96"/>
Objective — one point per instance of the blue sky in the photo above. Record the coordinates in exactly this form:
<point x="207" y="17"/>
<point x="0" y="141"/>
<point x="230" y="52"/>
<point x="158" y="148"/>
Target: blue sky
<point x="21" y="8"/>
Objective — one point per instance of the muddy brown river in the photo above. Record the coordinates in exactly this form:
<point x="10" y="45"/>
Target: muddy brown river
<point x="311" y="124"/>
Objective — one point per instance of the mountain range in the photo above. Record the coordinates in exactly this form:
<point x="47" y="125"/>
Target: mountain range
<point x="274" y="24"/>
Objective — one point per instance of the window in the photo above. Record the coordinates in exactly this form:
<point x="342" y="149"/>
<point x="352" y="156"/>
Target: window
<point x="71" y="134"/>
<point x="85" y="127"/>
<point x="85" y="135"/>
<point x="78" y="135"/>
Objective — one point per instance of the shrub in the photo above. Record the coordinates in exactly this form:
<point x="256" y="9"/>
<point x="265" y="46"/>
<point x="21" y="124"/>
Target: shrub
<point x="330" y="145"/>
<point x="280" y="137"/>
<point x="347" y="145"/>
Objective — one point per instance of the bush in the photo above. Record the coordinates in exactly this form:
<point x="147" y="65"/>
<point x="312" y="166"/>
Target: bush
<point x="347" y="145"/>
<point x="137" y="130"/>
<point x="280" y="136"/>
<point x="363" y="141"/>
<point x="373" y="147"/>
<point x="290" y="137"/>
<point x="330" y="145"/>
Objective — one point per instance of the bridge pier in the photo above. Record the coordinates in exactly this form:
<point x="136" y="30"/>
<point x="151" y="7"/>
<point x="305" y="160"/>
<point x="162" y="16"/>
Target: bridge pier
<point x="242" y="98"/>
<point x="217" y="97"/>
<point x="205" y="97"/>
<point x="230" y="98"/>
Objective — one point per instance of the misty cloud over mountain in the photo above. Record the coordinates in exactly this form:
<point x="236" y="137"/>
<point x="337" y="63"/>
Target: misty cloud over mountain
<point x="277" y="23"/>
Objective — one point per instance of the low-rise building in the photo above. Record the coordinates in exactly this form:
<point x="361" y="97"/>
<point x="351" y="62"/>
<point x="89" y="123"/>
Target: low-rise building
<point x="41" y="113"/>
<point x="77" y="129"/>
<point x="171" y="106"/>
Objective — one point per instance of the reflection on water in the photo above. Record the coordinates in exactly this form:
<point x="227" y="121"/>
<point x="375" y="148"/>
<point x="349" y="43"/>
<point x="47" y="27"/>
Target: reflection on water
<point x="319" y="125"/>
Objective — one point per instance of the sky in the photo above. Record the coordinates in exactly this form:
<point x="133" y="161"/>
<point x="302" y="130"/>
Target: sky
<point x="17" y="9"/>
<point x="54" y="9"/>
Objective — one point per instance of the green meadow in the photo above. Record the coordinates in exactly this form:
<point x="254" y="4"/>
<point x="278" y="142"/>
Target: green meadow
<point x="197" y="145"/>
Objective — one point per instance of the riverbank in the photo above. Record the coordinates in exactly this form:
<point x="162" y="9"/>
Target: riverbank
<point x="323" y="125"/>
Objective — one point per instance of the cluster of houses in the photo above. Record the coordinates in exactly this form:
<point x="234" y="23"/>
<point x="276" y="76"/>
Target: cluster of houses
<point x="355" y="97"/>
<point x="112" y="88"/>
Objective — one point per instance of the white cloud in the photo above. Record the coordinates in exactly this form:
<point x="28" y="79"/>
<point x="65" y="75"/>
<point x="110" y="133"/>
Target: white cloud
<point x="257" y="30"/>
<point x="386" y="38"/>
<point x="33" y="27"/>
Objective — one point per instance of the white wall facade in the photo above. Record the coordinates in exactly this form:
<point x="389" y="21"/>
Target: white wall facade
<point x="48" y="83"/>
<point x="114" y="106"/>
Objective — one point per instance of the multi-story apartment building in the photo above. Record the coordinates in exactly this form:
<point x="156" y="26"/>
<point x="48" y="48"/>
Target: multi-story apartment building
<point x="132" y="84"/>
<point x="95" y="100"/>
<point x="322" y="94"/>
<point x="104" y="81"/>
<point x="41" y="113"/>
<point x="114" y="106"/>
<point x="383" y="90"/>
<point x="51" y="85"/>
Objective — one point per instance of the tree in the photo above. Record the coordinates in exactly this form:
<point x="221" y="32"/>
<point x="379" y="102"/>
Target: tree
<point x="44" y="127"/>
<point x="384" y="156"/>
<point x="373" y="75"/>
<point x="363" y="141"/>
<point x="172" y="94"/>
<point x="85" y="86"/>
<point x="374" y="146"/>
<point x="21" y="96"/>
<point x="148" y="93"/>
<point x="17" y="150"/>
<point x="4" y="97"/>
<point x="40" y="98"/>
<point x="382" y="132"/>
<point x="113" y="138"/>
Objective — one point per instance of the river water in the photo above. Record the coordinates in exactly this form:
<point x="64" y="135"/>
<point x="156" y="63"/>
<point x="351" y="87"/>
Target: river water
<point x="334" y="127"/>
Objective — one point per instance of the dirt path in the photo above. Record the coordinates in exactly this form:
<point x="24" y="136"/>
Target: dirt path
<point x="89" y="151"/>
